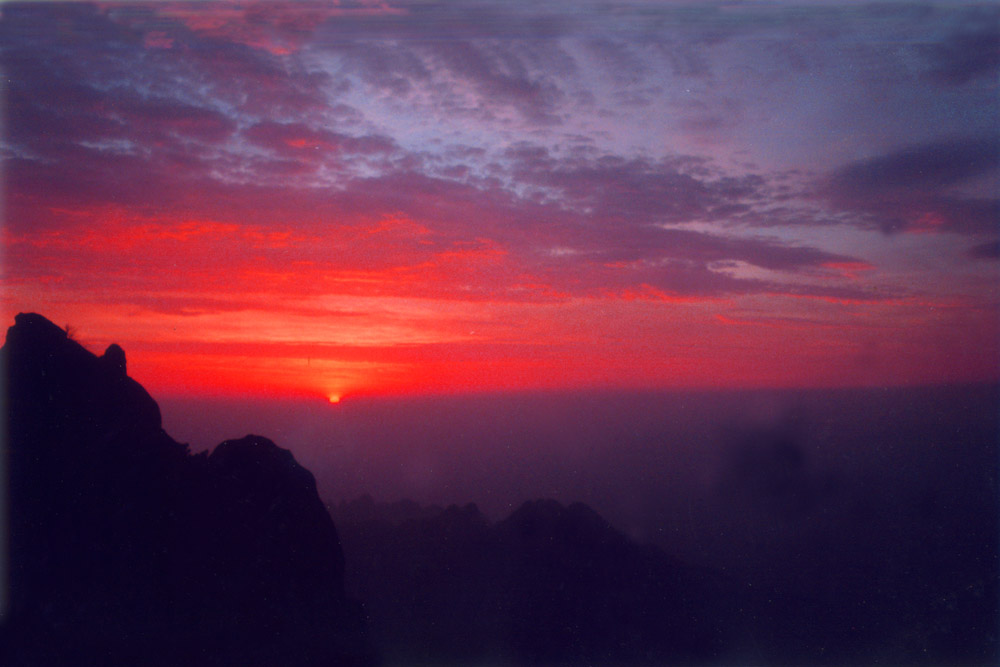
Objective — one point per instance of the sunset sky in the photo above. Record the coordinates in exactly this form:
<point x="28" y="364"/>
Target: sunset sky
<point x="347" y="198"/>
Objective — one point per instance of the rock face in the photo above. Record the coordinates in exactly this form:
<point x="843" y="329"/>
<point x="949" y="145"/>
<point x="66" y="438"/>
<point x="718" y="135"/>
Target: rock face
<point x="126" y="549"/>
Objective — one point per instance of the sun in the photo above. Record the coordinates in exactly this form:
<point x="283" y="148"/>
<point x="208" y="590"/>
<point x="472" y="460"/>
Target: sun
<point x="334" y="398"/>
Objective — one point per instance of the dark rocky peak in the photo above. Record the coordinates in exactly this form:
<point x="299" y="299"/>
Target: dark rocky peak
<point x="125" y="549"/>
<point x="114" y="358"/>
<point x="261" y="486"/>
<point x="54" y="377"/>
<point x="256" y="463"/>
<point x="33" y="329"/>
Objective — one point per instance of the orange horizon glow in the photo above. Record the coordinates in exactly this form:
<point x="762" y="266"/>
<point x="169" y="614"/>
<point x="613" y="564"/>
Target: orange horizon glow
<point x="552" y="349"/>
<point x="409" y="329"/>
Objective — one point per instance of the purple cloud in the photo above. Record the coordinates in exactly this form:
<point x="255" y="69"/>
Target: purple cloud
<point x="634" y="191"/>
<point x="298" y="139"/>
<point x="257" y="119"/>
<point x="990" y="250"/>
<point x="929" y="165"/>
<point x="911" y="189"/>
<point x="971" y="51"/>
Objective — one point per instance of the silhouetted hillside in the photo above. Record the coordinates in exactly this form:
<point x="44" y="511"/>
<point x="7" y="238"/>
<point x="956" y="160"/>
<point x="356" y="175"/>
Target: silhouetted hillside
<point x="548" y="585"/>
<point x="556" y="584"/>
<point x="125" y="549"/>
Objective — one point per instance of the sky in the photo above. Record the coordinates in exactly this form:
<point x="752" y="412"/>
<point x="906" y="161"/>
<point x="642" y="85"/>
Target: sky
<point x="342" y="199"/>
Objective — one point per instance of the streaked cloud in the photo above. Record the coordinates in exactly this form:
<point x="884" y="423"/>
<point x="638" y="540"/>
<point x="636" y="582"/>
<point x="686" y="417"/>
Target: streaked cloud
<point x="201" y="161"/>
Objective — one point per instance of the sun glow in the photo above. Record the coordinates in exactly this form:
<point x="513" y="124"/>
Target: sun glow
<point x="334" y="398"/>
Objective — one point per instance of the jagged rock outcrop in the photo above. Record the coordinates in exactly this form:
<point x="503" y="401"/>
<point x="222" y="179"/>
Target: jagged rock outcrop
<point x="125" y="549"/>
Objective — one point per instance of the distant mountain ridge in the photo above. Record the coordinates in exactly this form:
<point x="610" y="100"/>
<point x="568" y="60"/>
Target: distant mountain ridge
<point x="126" y="549"/>
<point x="549" y="584"/>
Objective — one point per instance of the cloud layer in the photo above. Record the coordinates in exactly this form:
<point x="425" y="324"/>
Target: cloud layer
<point x="215" y="158"/>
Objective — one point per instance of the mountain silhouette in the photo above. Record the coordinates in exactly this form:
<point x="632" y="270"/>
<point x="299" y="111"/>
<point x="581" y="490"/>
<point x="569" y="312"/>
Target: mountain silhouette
<point x="125" y="549"/>
<point x="553" y="584"/>
<point x="550" y="584"/>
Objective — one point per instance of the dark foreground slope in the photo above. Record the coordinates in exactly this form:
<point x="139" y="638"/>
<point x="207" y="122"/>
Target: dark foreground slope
<point x="884" y="571"/>
<point x="550" y="585"/>
<point x="125" y="549"/>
